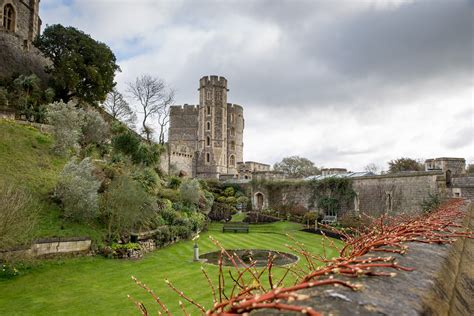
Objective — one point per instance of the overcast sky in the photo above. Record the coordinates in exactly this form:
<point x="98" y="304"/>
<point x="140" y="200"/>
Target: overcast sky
<point x="343" y="83"/>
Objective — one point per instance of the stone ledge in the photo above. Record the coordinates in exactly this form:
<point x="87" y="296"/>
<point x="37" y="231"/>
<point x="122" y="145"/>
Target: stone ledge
<point x="441" y="284"/>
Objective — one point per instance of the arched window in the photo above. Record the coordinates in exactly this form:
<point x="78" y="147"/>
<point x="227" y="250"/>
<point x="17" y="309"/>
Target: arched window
<point x="208" y="157"/>
<point x="232" y="161"/>
<point x="232" y="145"/>
<point x="208" y="141"/>
<point x="208" y="110"/>
<point x="208" y="126"/>
<point x="9" y="17"/>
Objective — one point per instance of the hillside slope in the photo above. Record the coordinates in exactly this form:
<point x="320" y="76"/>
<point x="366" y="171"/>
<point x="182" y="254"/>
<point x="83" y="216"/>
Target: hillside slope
<point x="27" y="161"/>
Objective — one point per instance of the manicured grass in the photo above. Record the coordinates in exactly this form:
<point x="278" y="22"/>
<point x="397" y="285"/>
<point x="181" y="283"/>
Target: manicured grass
<point x="99" y="286"/>
<point x="27" y="161"/>
<point x="239" y="217"/>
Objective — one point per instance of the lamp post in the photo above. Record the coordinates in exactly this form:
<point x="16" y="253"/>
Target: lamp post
<point x="196" y="247"/>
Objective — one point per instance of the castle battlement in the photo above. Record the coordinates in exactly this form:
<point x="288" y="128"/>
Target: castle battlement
<point x="235" y="107"/>
<point x="184" y="109"/>
<point x="216" y="81"/>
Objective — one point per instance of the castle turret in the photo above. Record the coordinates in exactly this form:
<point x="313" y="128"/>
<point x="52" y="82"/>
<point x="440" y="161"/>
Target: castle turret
<point x="212" y="131"/>
<point x="235" y="134"/>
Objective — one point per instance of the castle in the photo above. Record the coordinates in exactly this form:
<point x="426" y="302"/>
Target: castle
<point x="20" y="25"/>
<point x="206" y="140"/>
<point x="20" y="17"/>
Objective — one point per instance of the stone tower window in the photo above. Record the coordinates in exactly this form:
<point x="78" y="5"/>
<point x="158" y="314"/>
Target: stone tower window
<point x="232" y="117"/>
<point x="9" y="17"/>
<point x="232" y="131"/>
<point x="208" y="94"/>
<point x="232" y="161"/>
<point x="208" y="110"/>
<point x="232" y="145"/>
<point x="208" y="126"/>
<point x="208" y="157"/>
<point x="208" y="141"/>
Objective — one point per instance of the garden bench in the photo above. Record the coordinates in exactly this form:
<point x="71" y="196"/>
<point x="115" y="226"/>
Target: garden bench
<point x="235" y="227"/>
<point x="329" y="219"/>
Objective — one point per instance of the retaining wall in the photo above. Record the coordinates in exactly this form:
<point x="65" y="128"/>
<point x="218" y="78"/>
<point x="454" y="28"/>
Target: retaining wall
<point x="51" y="246"/>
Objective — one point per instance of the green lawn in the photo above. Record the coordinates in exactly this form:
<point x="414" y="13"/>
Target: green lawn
<point x="98" y="286"/>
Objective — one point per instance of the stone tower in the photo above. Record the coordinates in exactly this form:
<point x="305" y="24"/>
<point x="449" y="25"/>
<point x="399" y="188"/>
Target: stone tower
<point x="212" y="129"/>
<point x="206" y="140"/>
<point x="21" y="18"/>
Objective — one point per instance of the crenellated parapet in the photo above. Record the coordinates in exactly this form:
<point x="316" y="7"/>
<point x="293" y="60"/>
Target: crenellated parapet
<point x="215" y="81"/>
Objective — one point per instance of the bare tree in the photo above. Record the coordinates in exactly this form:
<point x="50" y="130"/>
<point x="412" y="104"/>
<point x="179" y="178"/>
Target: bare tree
<point x="371" y="167"/>
<point x="163" y="120"/>
<point x="154" y="97"/>
<point x="116" y="106"/>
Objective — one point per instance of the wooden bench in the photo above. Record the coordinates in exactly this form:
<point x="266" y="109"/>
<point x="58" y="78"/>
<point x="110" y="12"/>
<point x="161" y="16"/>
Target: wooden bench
<point x="235" y="227"/>
<point x="329" y="219"/>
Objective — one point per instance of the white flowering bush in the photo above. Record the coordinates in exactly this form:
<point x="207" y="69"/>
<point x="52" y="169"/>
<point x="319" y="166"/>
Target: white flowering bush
<point x="94" y="129"/>
<point x="77" y="190"/>
<point x="67" y="122"/>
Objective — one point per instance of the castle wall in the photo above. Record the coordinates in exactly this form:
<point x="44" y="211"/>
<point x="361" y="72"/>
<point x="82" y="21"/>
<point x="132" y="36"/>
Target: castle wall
<point x="376" y="195"/>
<point x="16" y="60"/>
<point x="27" y="24"/>
<point x="463" y="187"/>
<point x="235" y="135"/>
<point x="183" y="128"/>
<point x="397" y="193"/>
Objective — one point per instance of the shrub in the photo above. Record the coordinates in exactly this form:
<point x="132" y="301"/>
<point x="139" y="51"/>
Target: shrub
<point x="77" y="190"/>
<point x="174" y="183"/>
<point x="206" y="202"/>
<point x="67" y="122"/>
<point x="430" y="203"/>
<point x="221" y="212"/>
<point x="94" y="129"/>
<point x="124" y="206"/>
<point x="126" y="142"/>
<point x="147" y="177"/>
<point x="169" y="194"/>
<point x="229" y="191"/>
<point x="17" y="218"/>
<point x="190" y="191"/>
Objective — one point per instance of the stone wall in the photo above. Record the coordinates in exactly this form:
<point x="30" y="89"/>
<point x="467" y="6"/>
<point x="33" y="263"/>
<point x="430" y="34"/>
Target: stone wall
<point x="178" y="160"/>
<point x="27" y="23"/>
<point x="440" y="284"/>
<point x="396" y="193"/>
<point x="375" y="195"/>
<point x="51" y="246"/>
<point x="183" y="126"/>
<point x="14" y="59"/>
<point x="463" y="187"/>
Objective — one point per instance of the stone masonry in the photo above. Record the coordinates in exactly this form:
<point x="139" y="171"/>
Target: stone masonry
<point x="20" y="25"/>
<point x="206" y="140"/>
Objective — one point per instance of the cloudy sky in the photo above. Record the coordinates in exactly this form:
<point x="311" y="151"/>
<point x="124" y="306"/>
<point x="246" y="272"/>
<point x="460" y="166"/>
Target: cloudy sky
<point x="343" y="83"/>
